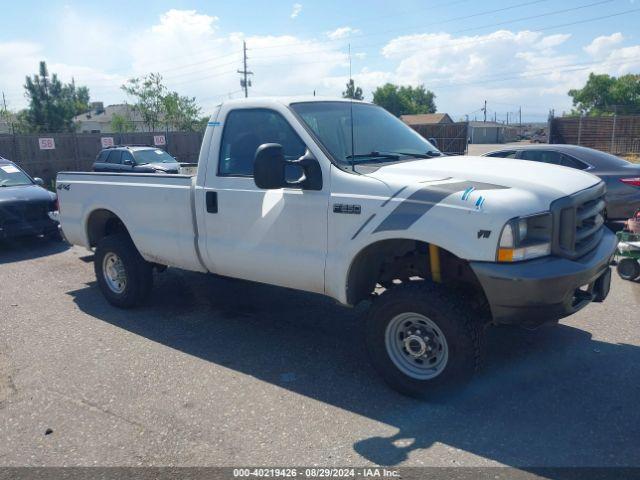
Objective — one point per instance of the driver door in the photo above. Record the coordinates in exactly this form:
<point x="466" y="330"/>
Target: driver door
<point x="272" y="236"/>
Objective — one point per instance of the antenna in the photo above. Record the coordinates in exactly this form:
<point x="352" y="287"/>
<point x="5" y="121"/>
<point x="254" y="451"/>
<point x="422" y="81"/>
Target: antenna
<point x="353" y="153"/>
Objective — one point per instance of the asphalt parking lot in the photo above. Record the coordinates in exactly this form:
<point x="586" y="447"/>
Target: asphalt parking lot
<point x="223" y="372"/>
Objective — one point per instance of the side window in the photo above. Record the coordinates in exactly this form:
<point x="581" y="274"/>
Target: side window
<point x="102" y="157"/>
<point x="505" y="154"/>
<point x="115" y="156"/>
<point x="543" y="156"/>
<point x="245" y="130"/>
<point x="571" y="162"/>
<point x="127" y="156"/>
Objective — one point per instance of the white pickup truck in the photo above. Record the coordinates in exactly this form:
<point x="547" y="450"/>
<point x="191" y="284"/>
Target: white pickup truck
<point x="343" y="199"/>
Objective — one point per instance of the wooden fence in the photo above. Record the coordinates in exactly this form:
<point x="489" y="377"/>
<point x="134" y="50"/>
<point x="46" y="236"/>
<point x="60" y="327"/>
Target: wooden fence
<point x="617" y="134"/>
<point x="450" y="138"/>
<point x="77" y="151"/>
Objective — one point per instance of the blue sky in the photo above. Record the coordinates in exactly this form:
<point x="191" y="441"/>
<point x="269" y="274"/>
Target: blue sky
<point x="516" y="53"/>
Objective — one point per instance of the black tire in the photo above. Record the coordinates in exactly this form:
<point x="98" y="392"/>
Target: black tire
<point x="628" y="268"/>
<point x="138" y="272"/>
<point x="462" y="327"/>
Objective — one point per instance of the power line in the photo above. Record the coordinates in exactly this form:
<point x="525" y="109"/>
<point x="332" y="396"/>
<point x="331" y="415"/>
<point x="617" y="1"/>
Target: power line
<point x="379" y="32"/>
<point x="377" y="44"/>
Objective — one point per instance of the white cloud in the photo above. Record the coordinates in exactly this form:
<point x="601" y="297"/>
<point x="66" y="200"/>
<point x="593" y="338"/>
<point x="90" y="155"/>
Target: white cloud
<point x="196" y="59"/>
<point x="601" y="46"/>
<point x="513" y="68"/>
<point x="297" y="8"/>
<point x="551" y="41"/>
<point x="341" y="32"/>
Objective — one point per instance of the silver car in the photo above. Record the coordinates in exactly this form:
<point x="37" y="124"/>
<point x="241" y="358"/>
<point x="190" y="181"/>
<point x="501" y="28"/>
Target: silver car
<point x="622" y="177"/>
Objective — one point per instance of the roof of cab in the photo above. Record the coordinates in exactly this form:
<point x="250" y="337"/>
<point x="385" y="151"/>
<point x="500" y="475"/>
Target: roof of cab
<point x="287" y="100"/>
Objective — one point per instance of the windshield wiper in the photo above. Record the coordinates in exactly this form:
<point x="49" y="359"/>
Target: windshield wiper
<point x="429" y="154"/>
<point x="390" y="156"/>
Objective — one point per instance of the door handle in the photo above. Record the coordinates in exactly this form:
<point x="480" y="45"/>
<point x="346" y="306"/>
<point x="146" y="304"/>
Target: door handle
<point x="212" y="202"/>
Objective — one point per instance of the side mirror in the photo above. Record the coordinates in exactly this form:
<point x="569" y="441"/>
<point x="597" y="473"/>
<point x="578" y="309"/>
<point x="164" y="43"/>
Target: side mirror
<point x="38" y="181"/>
<point x="433" y="142"/>
<point x="269" y="169"/>
<point x="128" y="162"/>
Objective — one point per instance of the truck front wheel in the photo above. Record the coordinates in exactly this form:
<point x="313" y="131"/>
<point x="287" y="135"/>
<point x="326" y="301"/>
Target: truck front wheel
<point x="124" y="277"/>
<point x="424" y="339"/>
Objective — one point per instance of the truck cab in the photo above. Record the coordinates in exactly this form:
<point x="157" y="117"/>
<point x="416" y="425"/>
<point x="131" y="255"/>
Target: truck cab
<point x="341" y="198"/>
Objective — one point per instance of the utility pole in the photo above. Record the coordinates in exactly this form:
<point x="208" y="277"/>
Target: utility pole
<point x="484" y="109"/>
<point x="520" y="116"/>
<point x="245" y="83"/>
<point x="5" y="113"/>
<point x="507" y="118"/>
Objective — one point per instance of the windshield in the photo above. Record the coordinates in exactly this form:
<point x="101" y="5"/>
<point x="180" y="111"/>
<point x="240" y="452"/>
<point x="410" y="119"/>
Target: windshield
<point x="378" y="136"/>
<point x="153" y="156"/>
<point x="12" y="176"/>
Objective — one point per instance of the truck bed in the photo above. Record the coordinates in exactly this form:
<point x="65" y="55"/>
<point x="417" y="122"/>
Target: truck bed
<point x="157" y="209"/>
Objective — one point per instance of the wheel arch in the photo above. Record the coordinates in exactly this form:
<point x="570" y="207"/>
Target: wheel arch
<point x="403" y="258"/>
<point x="102" y="222"/>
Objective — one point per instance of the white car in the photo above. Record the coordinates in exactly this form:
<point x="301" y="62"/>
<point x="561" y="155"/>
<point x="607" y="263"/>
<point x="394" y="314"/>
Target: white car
<point x="341" y="198"/>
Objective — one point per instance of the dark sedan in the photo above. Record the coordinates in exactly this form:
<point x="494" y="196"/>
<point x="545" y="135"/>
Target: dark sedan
<point x="25" y="207"/>
<point x="135" y="159"/>
<point x="622" y="177"/>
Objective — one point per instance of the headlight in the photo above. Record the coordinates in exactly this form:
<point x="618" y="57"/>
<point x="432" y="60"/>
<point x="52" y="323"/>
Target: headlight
<point x="525" y="238"/>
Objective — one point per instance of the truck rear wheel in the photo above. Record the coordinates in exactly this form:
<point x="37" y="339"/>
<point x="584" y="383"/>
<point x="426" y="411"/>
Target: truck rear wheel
<point x="422" y="340"/>
<point x="628" y="269"/>
<point x="124" y="277"/>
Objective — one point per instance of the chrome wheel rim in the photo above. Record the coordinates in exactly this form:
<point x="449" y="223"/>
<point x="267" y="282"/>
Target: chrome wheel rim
<point x="416" y="346"/>
<point x="114" y="273"/>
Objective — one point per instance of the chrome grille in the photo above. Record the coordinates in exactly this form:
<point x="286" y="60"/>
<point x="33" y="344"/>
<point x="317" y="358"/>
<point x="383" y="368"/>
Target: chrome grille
<point x="578" y="222"/>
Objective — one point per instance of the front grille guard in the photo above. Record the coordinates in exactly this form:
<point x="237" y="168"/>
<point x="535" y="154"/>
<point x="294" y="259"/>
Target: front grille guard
<point x="578" y="222"/>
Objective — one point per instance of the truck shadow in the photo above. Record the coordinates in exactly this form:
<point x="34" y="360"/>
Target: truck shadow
<point x="550" y="397"/>
<point x="27" y="248"/>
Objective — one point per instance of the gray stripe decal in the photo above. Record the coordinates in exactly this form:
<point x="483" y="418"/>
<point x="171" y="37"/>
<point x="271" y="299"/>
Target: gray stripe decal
<point x="422" y="200"/>
<point x="393" y="196"/>
<point x="366" y="222"/>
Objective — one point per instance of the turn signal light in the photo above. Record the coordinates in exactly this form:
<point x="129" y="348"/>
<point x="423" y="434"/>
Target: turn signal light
<point x="505" y="255"/>
<point x="634" y="182"/>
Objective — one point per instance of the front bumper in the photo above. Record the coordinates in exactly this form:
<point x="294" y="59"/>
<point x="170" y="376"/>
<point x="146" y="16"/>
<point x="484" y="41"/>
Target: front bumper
<point x="546" y="289"/>
<point x="25" y="228"/>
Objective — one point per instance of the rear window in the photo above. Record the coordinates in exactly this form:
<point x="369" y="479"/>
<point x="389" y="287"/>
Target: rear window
<point x="568" y="161"/>
<point x="503" y="154"/>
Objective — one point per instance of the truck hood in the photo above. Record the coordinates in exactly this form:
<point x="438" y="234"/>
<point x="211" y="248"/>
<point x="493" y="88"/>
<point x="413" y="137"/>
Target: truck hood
<point x="543" y="180"/>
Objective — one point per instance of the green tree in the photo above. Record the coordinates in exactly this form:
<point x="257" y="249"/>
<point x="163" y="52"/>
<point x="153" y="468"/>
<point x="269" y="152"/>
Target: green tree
<point x="405" y="100"/>
<point x="201" y="124"/>
<point x="181" y="112"/>
<point x="122" y="124"/>
<point x="607" y="95"/>
<point x="157" y="106"/>
<point x="149" y="93"/>
<point x="53" y="104"/>
<point x="352" y="91"/>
